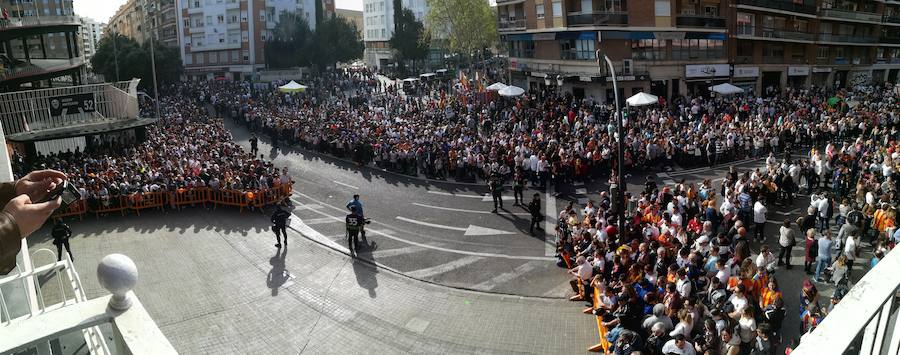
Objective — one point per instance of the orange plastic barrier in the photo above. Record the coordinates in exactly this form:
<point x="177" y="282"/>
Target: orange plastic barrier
<point x="601" y="329"/>
<point x="140" y="201"/>
<point x="194" y="196"/>
<point x="114" y="204"/>
<point x="231" y="198"/>
<point x="76" y="209"/>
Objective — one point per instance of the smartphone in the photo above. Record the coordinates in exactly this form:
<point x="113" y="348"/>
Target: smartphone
<point x="67" y="191"/>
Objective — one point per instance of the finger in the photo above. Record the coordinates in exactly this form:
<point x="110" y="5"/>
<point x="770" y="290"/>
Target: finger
<point x="23" y="199"/>
<point x="44" y="208"/>
<point x="45" y="174"/>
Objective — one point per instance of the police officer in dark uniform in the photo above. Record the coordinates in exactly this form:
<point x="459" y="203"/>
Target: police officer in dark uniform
<point x="355" y="224"/>
<point x="61" y="234"/>
<point x="279" y="225"/>
<point x="519" y="187"/>
<point x="496" y="187"/>
<point x="254" y="144"/>
<point x="536" y="216"/>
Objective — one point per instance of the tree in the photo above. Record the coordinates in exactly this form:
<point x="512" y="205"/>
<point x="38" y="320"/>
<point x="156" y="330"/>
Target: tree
<point x="335" y="40"/>
<point x="465" y="26"/>
<point x="409" y="41"/>
<point x="134" y="61"/>
<point x="288" y="45"/>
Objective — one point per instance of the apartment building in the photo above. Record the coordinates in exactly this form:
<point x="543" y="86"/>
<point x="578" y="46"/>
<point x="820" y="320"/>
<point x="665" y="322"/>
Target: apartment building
<point x="91" y="30"/>
<point x="353" y="16"/>
<point x="378" y="27"/>
<point x="143" y="19"/>
<point x="673" y="47"/>
<point x="224" y="39"/>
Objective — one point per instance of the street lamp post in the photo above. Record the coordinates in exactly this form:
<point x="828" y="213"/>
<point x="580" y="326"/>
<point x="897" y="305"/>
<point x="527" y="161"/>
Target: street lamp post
<point x="620" y="147"/>
<point x="153" y="65"/>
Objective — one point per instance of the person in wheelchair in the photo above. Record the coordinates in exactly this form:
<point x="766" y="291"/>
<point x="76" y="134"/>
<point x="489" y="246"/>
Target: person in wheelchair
<point x="354" y="222"/>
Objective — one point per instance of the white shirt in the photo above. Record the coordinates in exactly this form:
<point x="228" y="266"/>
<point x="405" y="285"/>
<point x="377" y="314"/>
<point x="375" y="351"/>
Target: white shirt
<point x="671" y="348"/>
<point x="684" y="288"/>
<point x="766" y="261"/>
<point x="759" y="212"/>
<point x="850" y="249"/>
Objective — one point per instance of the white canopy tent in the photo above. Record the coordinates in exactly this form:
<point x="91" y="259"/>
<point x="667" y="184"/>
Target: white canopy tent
<point x="642" y="99"/>
<point x="496" y="87"/>
<point x="511" y="91"/>
<point x="726" y="89"/>
<point x="292" y="86"/>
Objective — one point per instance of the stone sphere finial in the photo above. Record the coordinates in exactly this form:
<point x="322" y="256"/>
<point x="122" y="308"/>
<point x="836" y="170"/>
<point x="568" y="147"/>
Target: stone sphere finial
<point x="118" y="275"/>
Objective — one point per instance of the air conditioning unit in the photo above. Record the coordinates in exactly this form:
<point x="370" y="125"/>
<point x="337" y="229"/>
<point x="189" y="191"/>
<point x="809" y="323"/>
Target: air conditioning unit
<point x="627" y="67"/>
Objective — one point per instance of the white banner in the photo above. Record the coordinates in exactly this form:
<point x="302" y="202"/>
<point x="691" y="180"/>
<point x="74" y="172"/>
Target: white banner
<point x="798" y="71"/>
<point x="706" y="70"/>
<point x="746" y="72"/>
<point x="821" y="70"/>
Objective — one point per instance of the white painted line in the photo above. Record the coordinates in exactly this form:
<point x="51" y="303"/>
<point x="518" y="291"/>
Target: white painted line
<point x="454" y="195"/>
<point x="506" y="276"/>
<point x="306" y="230"/>
<point x="428" y="246"/>
<point x="489" y="198"/>
<point x="467" y="211"/>
<point x="668" y="182"/>
<point x="581" y="191"/>
<point x="582" y="201"/>
<point x="310" y="206"/>
<point x="323" y="220"/>
<point x="471" y="230"/>
<point x="444" y="268"/>
<point x="578" y="184"/>
<point x="398" y="251"/>
<point x="550" y="223"/>
<point x="345" y="185"/>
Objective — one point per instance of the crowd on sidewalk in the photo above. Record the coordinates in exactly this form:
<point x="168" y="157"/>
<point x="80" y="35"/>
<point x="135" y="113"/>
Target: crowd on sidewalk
<point x="695" y="270"/>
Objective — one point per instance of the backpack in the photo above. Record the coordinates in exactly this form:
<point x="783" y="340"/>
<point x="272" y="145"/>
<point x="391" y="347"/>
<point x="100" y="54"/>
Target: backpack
<point x="813" y="249"/>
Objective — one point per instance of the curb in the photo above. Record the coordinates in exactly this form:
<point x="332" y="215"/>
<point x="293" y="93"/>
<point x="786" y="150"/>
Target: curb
<point x="379" y="265"/>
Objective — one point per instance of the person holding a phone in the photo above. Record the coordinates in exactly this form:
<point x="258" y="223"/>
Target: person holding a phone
<point x="27" y="205"/>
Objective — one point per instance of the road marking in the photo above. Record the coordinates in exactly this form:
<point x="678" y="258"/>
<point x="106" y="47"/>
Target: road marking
<point x="345" y="185"/>
<point x="583" y="201"/>
<point x="668" y="182"/>
<point x="581" y="191"/>
<point x="398" y="251"/>
<point x="311" y="206"/>
<point x="489" y="198"/>
<point x="443" y="268"/>
<point x="423" y="245"/>
<point x="465" y="210"/>
<point x="324" y="220"/>
<point x="471" y="230"/>
<point x="506" y="276"/>
<point x="550" y="223"/>
<point x="454" y="195"/>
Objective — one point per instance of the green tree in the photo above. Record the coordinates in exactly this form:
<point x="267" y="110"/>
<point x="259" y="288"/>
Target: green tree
<point x="288" y="45"/>
<point x="134" y="61"/>
<point x="409" y="41"/>
<point x="335" y="40"/>
<point x="465" y="26"/>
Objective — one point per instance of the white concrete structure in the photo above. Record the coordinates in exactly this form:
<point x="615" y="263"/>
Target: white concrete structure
<point x="378" y="27"/>
<point x="226" y="38"/>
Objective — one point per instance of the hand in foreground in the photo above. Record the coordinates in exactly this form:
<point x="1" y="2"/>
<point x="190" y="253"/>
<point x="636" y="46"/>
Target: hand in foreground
<point x="37" y="183"/>
<point x="30" y="216"/>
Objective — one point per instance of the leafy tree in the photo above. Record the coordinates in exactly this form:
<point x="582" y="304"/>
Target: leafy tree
<point x="134" y="61"/>
<point x="335" y="40"/>
<point x="465" y="26"/>
<point x="409" y="41"/>
<point x="288" y="45"/>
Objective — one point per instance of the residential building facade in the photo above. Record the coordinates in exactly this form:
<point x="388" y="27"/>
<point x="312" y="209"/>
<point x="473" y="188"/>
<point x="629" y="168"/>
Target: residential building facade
<point x="354" y="16"/>
<point x="143" y="19"/>
<point x="91" y="30"/>
<point x="378" y="27"/>
<point x="225" y="39"/>
<point x="674" y="47"/>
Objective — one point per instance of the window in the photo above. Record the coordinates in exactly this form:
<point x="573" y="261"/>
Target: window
<point x="685" y="49"/>
<point x="539" y="10"/>
<point x="199" y="58"/>
<point x="773" y="51"/>
<point x="209" y="20"/>
<point x="213" y="57"/>
<point x="221" y="19"/>
<point x="587" y="6"/>
<point x="648" y="49"/>
<point x="798" y="52"/>
<point x="745" y="23"/>
<point x="838" y="52"/>
<point x="245" y="54"/>
<point x="234" y="56"/>
<point x="222" y="38"/>
<point x="822" y="52"/>
<point x="613" y="6"/>
<point x="663" y="8"/>
<point x="745" y="49"/>
<point x="879" y="53"/>
<point x="557" y="9"/>
<point x="521" y="49"/>
<point x="580" y="49"/>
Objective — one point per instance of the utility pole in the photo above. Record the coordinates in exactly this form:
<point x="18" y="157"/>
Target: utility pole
<point x="153" y="62"/>
<point x="620" y="142"/>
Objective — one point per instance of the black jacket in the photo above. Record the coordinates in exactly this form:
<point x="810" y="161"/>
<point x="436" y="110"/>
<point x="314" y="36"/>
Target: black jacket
<point x="61" y="233"/>
<point x="280" y="217"/>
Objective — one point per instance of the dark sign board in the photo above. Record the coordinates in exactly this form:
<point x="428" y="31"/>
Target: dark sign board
<point x="72" y="104"/>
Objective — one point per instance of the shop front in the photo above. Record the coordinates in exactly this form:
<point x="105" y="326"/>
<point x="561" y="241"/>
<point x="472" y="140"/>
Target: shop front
<point x="820" y="76"/>
<point x="797" y="76"/>
<point x="746" y="78"/>
<point x="699" y="77"/>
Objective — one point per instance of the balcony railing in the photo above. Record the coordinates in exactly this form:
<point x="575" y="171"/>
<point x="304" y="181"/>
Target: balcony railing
<point x="850" y="15"/>
<point x="891" y="19"/>
<point x="699" y="21"/>
<point x="766" y="32"/>
<point x="864" y="321"/>
<point x="597" y="18"/>
<point x="511" y="24"/>
<point x="38" y="21"/>
<point x="893" y="39"/>
<point x="786" y="5"/>
<point x="827" y="37"/>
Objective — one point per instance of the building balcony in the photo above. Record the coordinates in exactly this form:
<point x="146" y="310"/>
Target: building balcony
<point x="511" y="24"/>
<point x="895" y="19"/>
<point x="764" y="32"/>
<point x="892" y="39"/>
<point x="699" y="21"/>
<point x="597" y="18"/>
<point x="827" y="37"/>
<point x="850" y="15"/>
<point x="35" y="21"/>
<point x="785" y="5"/>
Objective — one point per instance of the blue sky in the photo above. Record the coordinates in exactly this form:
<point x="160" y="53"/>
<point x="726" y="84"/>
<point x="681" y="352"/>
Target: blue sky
<point x="102" y="10"/>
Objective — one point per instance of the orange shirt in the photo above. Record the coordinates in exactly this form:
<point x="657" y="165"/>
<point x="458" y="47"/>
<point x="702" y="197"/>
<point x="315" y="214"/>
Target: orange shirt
<point x="768" y="297"/>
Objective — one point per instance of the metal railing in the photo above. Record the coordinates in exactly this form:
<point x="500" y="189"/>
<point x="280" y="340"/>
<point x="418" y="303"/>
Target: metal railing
<point x="766" y="32"/>
<point x="827" y="37"/>
<point x="31" y="110"/>
<point x="891" y="19"/>
<point x="894" y="39"/>
<point x="850" y="15"/>
<point x="134" y="332"/>
<point x="865" y="320"/>
<point x="40" y="66"/>
<point x="786" y="5"/>
<point x="597" y="18"/>
<point x="38" y="21"/>
<point x="506" y="24"/>
<point x="699" y="21"/>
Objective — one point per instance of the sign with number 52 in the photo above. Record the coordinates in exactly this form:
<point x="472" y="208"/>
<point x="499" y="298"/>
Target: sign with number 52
<point x="72" y="104"/>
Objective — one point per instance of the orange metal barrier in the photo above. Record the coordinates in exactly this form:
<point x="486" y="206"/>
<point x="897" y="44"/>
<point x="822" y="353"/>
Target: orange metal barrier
<point x="603" y="345"/>
<point x="140" y="201"/>
<point x="113" y="204"/>
<point x="75" y="209"/>
<point x="183" y="197"/>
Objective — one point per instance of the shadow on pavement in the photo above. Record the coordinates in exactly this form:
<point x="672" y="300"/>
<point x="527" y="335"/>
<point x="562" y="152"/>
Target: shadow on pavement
<point x="366" y="273"/>
<point x="278" y="275"/>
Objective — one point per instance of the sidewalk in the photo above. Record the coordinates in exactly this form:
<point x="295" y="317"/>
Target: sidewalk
<point x="214" y="283"/>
